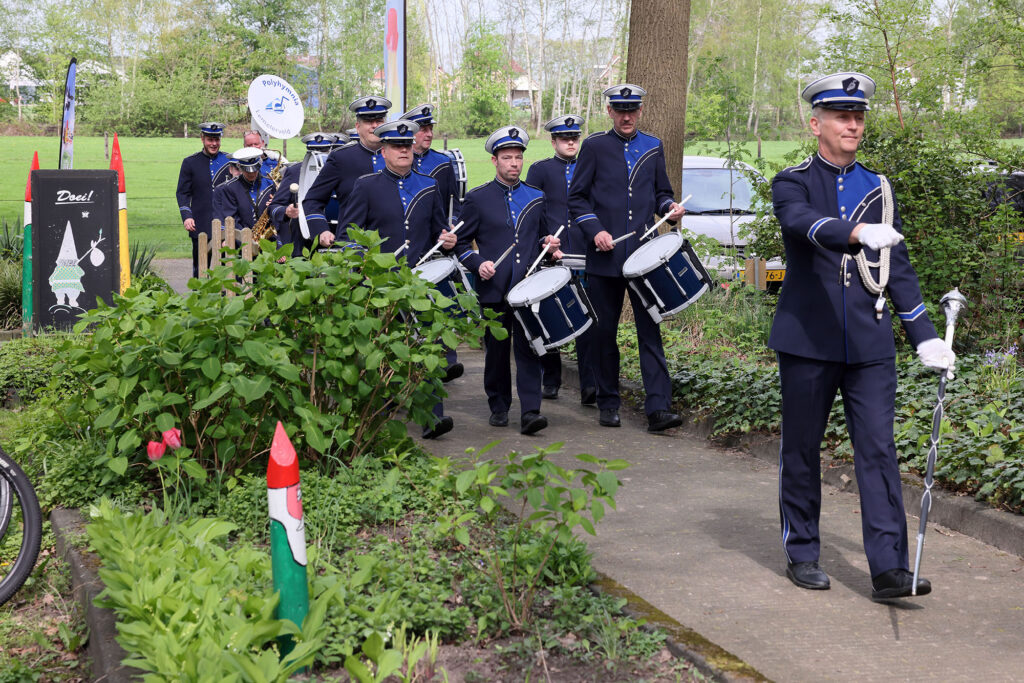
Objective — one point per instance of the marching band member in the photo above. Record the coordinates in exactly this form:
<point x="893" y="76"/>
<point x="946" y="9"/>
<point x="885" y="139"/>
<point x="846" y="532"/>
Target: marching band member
<point x="439" y="167"/>
<point x="832" y="330"/>
<point x="431" y="162"/>
<point x="619" y="184"/>
<point x="200" y="173"/>
<point x="218" y="192"/>
<point x="344" y="165"/>
<point x="553" y="176"/>
<point x="403" y="207"/>
<point x="248" y="195"/>
<point x="500" y="214"/>
<point x="283" y="213"/>
<point x="399" y="203"/>
<point x="253" y="138"/>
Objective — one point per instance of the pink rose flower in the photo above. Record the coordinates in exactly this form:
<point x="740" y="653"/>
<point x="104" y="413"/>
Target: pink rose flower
<point x="155" y="450"/>
<point x="172" y="438"/>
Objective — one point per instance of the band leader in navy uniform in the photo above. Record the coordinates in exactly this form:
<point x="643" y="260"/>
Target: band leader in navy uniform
<point x="199" y="174"/>
<point x="344" y="165"/>
<point x="553" y="177"/>
<point x="832" y="331"/>
<point x="502" y="213"/>
<point x="431" y="162"/>
<point x="620" y="183"/>
<point x="247" y="196"/>
<point x="283" y="213"/>
<point x="404" y="207"/>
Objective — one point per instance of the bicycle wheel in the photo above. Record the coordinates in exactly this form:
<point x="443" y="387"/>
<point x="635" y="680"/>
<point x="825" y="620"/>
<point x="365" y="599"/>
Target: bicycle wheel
<point x="6" y="505"/>
<point x="25" y="520"/>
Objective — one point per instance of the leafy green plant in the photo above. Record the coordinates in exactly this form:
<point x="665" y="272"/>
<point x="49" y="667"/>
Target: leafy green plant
<point x="12" y="240"/>
<point x="10" y="294"/>
<point x="550" y="500"/>
<point x="327" y="346"/>
<point x="187" y="606"/>
<point x="28" y="365"/>
<point x="141" y="256"/>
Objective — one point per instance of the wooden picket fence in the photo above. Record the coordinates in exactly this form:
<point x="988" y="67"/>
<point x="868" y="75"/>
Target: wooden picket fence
<point x="230" y="242"/>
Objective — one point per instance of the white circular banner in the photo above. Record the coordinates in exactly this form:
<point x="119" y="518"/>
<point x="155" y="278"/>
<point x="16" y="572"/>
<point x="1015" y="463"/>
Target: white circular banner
<point x="275" y="106"/>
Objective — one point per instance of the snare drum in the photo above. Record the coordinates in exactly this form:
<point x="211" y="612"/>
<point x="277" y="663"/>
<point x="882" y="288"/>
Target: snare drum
<point x="461" y="177"/>
<point x="666" y="274"/>
<point x="445" y="274"/>
<point x="552" y="308"/>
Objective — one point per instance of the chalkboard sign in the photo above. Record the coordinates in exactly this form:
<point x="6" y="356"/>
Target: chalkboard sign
<point x="75" y="250"/>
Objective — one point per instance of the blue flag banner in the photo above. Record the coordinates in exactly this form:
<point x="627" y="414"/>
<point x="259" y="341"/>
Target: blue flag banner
<point x="67" y="126"/>
<point x="394" y="56"/>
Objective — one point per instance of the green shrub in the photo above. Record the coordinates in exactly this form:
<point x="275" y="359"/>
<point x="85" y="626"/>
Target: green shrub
<point x="323" y="345"/>
<point x="10" y="295"/>
<point x="140" y="256"/>
<point x="29" y="364"/>
<point x="12" y="240"/>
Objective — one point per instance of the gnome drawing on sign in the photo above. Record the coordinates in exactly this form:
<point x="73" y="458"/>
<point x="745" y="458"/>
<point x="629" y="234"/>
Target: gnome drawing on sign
<point x="66" y="280"/>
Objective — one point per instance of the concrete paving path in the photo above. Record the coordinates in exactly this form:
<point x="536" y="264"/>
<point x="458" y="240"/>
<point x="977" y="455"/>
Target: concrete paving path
<point x="696" y="534"/>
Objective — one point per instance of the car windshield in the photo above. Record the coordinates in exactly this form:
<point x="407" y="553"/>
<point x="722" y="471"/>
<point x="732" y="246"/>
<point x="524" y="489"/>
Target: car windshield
<point x="710" y="190"/>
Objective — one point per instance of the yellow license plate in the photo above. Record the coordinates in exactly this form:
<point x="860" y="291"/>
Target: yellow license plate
<point x="775" y="275"/>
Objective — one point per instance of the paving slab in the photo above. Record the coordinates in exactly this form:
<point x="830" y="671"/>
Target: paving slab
<point x="696" y="534"/>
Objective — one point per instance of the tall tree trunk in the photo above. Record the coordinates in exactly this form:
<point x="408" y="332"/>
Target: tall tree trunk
<point x="658" y="39"/>
<point x="753" y="80"/>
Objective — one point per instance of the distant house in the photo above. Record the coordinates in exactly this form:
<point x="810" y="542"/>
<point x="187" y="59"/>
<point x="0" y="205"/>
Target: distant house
<point x="18" y="78"/>
<point x="521" y="87"/>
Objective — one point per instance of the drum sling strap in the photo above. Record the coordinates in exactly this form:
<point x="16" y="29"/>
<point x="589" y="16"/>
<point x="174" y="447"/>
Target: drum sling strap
<point x="864" y="266"/>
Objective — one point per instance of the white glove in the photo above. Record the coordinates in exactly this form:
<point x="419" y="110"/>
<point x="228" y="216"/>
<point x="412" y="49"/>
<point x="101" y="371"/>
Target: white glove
<point x="878" y="236"/>
<point x="935" y="354"/>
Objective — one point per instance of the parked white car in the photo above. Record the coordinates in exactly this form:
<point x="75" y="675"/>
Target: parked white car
<point x="720" y="206"/>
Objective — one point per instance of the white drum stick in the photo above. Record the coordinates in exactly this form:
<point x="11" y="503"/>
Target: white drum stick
<point x="503" y="255"/>
<point x="624" y="237"/>
<point x="439" y="243"/>
<point x="663" y="219"/>
<point x="401" y="248"/>
<point x="451" y="208"/>
<point x="544" y="251"/>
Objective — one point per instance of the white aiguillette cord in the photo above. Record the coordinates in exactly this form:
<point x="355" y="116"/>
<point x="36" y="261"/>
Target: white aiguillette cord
<point x="864" y="266"/>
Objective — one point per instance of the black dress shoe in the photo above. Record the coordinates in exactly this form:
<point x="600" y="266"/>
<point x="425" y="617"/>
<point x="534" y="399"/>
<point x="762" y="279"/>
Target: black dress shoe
<point x="897" y="583"/>
<point x="443" y="426"/>
<point x="661" y="420"/>
<point x="610" y="418"/>
<point x="498" y="419"/>
<point x="532" y="423"/>
<point x="550" y="393"/>
<point x="808" y="575"/>
<point x="588" y="396"/>
<point x="454" y="371"/>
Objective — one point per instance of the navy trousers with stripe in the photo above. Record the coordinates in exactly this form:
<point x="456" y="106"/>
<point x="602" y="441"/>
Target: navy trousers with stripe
<point x="606" y="294"/>
<point x="498" y="371"/>
<point x="869" y="394"/>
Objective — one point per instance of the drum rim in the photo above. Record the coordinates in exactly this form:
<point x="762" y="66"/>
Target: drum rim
<point x="530" y="301"/>
<point x="659" y="262"/>
<point x="453" y="264"/>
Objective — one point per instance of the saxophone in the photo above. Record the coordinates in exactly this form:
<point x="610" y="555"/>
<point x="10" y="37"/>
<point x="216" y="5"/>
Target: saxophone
<point x="264" y="229"/>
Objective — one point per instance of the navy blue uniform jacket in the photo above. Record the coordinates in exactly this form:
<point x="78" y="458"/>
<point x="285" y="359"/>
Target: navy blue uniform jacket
<point x="824" y="312"/>
<point x="246" y="201"/>
<point x="198" y="176"/>
<point x="399" y="208"/>
<point x="288" y="231"/>
<point x="439" y="167"/>
<point x="497" y="216"/>
<point x="339" y="173"/>
<point x="618" y="186"/>
<point x="553" y="177"/>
